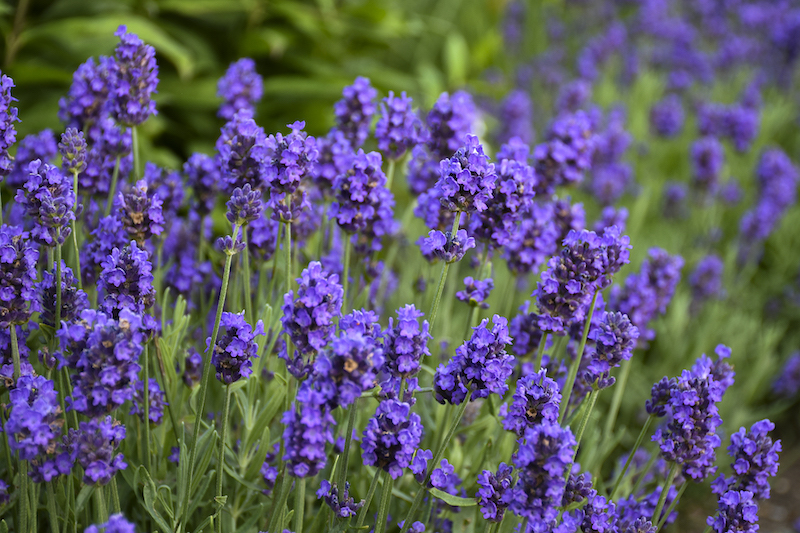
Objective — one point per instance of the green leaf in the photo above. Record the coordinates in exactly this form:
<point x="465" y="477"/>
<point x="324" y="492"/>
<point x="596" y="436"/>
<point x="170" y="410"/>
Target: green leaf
<point x="150" y="493"/>
<point x="83" y="496"/>
<point x="455" y="501"/>
<point x="3" y="526"/>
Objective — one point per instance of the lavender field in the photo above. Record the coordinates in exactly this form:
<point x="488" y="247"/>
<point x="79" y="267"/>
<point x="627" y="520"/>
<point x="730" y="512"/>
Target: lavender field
<point x="385" y="266"/>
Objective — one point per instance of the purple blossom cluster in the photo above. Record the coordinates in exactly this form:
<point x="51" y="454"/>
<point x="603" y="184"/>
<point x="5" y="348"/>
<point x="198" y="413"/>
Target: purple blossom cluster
<point x="359" y="193"/>
<point x="17" y="276"/>
<point x="614" y="341"/>
<point x="308" y="427"/>
<point x="73" y="299"/>
<point x="289" y="159"/>
<point x="528" y="245"/>
<point x="355" y="110"/>
<point x="399" y="128"/>
<point x="449" y="121"/>
<point x="245" y="206"/>
<point x="241" y="88"/>
<point x="476" y="292"/>
<point x="706" y="280"/>
<point x="566" y="153"/>
<point x="467" y="179"/>
<point x="405" y="343"/>
<point x="8" y="116"/>
<point x="516" y="118"/>
<point x="126" y="281"/>
<point x="787" y="383"/>
<point x="737" y="511"/>
<point x="707" y="156"/>
<point x="157" y="401"/>
<point x="446" y="246"/>
<point x="92" y="446"/>
<point x="234" y="351"/>
<point x="73" y="151"/>
<point x="341" y="502"/>
<point x="391" y="437"/>
<point x="536" y="401"/>
<point x="116" y="524"/>
<point x="241" y="149"/>
<point x="755" y="460"/>
<point x="496" y="492"/>
<point x="47" y="197"/>
<point x="481" y="365"/>
<point x="139" y="212"/>
<point x="133" y="79"/>
<point x="35" y="146"/>
<point x="667" y="116"/>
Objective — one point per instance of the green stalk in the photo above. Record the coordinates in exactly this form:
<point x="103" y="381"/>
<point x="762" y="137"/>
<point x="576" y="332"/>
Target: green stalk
<point x="112" y="188"/>
<point x="52" y="509"/>
<point x="540" y="352"/>
<point x="23" y="495"/>
<point x="437" y="299"/>
<point x="289" y="277"/>
<point x="299" y="504"/>
<point x="283" y="495"/>
<point x="351" y="422"/>
<point x="15" y="352"/>
<point x="75" y="232"/>
<point x="639" y="440"/>
<point x="362" y="515"/>
<point x="57" y="314"/>
<point x="137" y="164"/>
<point x="437" y="458"/>
<point x="582" y="427"/>
<point x="100" y="505"/>
<point x="204" y="380"/>
<point x="672" y="506"/>
<point x="386" y="500"/>
<point x="490" y="526"/>
<point x="616" y="401"/>
<point x="390" y="173"/>
<point x="115" y="496"/>
<point x="221" y="462"/>
<point x="673" y="471"/>
<point x="146" y="401"/>
<point x="346" y="271"/>
<point x="573" y="369"/>
<point x="248" y="294"/>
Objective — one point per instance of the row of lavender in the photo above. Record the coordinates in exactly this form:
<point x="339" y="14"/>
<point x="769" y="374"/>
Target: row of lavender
<point x="278" y="190"/>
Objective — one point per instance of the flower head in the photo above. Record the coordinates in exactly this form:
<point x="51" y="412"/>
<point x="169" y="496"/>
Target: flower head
<point x="496" y="491"/>
<point x="536" y="400"/>
<point x="234" y="351"/>
<point x="93" y="445"/>
<point x="449" y="122"/>
<point x="17" y="274"/>
<point x="391" y="437"/>
<point x="467" y="179"/>
<point x="399" y="128"/>
<point x="8" y="115"/>
<point x="116" y="524"/>
<point x="48" y="198"/>
<point x="241" y="88"/>
<point x="405" y="343"/>
<point x="133" y="80"/>
<point x="355" y="110"/>
<point x="73" y="299"/>
<point x="140" y="213"/>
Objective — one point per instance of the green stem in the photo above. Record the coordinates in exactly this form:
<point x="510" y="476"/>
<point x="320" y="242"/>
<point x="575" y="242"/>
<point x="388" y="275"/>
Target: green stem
<point x="137" y="164"/>
<point x="23" y="495"/>
<point x="437" y="299"/>
<point x="299" y="504"/>
<point x="146" y="401"/>
<point x="15" y="352"/>
<point x="436" y="460"/>
<point x="490" y="526"/>
<point x="386" y="499"/>
<point x="1" y="207"/>
<point x="585" y="420"/>
<point x="390" y="173"/>
<point x="288" y="236"/>
<point x="672" y="506"/>
<point x="57" y="310"/>
<point x="221" y="461"/>
<point x="248" y="294"/>
<point x="52" y="509"/>
<point x="573" y="369"/>
<point x="643" y="473"/>
<point x="616" y="401"/>
<point x="112" y="188"/>
<point x="673" y="471"/>
<point x="636" y="446"/>
<point x="100" y="505"/>
<point x="351" y="422"/>
<point x="115" y="496"/>
<point x="540" y="352"/>
<point x="205" y="379"/>
<point x="362" y="515"/>
<point x="346" y="271"/>
<point x="274" y="277"/>
<point x="283" y="495"/>
<point x="75" y="231"/>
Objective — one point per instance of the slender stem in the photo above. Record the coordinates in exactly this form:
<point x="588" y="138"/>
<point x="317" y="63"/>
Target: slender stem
<point x="15" y="352"/>
<point x="57" y="310"/>
<point x="437" y="299"/>
<point x="137" y="164"/>
<point x="643" y="473"/>
<point x="75" y="231"/>
<point x="100" y="505"/>
<point x="52" y="509"/>
<point x="221" y="461"/>
<point x="23" y="493"/>
<point x="616" y="400"/>
<point x="540" y="352"/>
<point x="362" y="515"/>
<point x="639" y="439"/>
<point x="390" y="173"/>
<point x="436" y="460"/>
<point x="299" y="503"/>
<point x="146" y="401"/>
<point x="346" y="271"/>
<point x="274" y="277"/>
<point x="490" y="526"/>
<point x="673" y="471"/>
<point x="351" y="422"/>
<point x="205" y="378"/>
<point x="386" y="499"/>
<point x="672" y="506"/>
<point x="248" y="293"/>
<point x="585" y="420"/>
<point x="288" y="236"/>
<point x="283" y="495"/>
<point x="112" y="188"/>
<point x="573" y="369"/>
<point x="114" y="496"/>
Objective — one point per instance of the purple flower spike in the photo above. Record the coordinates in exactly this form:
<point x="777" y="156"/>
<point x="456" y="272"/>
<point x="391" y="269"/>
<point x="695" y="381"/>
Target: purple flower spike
<point x="35" y="146"/>
<point x="706" y="280"/>
<point x="566" y="154"/>
<point x="516" y="118"/>
<point x="234" y="352"/>
<point x="73" y="299"/>
<point x="242" y="148"/>
<point x="527" y="245"/>
<point x="140" y="212"/>
<point x="536" y="400"/>
<point x="707" y="160"/>
<point x="355" y="110"/>
<point x="391" y="437"/>
<point x="737" y="511"/>
<point x="341" y="502"/>
<point x="405" y="343"/>
<point x="399" y="129"/>
<point x="126" y="281"/>
<point x="157" y="401"/>
<point x="787" y="383"/>
<point x="755" y="460"/>
<point x="444" y="246"/>
<point x="18" y="266"/>
<point x="307" y="432"/>
<point x="93" y="445"/>
<point x="244" y="206"/>
<point x="358" y="192"/>
<point x="133" y="80"/>
<point x="116" y="524"/>
<point x="481" y="365"/>
<point x="241" y="88"/>
<point x="467" y="179"/>
<point x="73" y="151"/>
<point x="289" y="159"/>
<point x="8" y="116"/>
<point x="476" y="292"/>
<point x="449" y="122"/>
<point x="48" y="198"/>
<point x="496" y="492"/>
<point x="615" y="339"/>
<point x="204" y="180"/>
<point x="666" y="116"/>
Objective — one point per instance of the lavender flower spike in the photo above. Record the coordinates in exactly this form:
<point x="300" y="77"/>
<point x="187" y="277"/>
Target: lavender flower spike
<point x="234" y="352"/>
<point x="8" y="115"/>
<point x="391" y="437"/>
<point x="48" y="198"/>
<point x="399" y="129"/>
<point x="467" y="179"/>
<point x="17" y="274"/>
<point x="93" y="445"/>
<point x="241" y="88"/>
<point x="355" y="110"/>
<point x="116" y="524"/>
<point x="133" y="80"/>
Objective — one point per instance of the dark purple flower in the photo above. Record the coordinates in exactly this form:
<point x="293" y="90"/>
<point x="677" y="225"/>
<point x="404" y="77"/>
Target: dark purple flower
<point x="496" y="492"/>
<point x="666" y="116"/>
<point x="73" y="299"/>
<point x="516" y="118"/>
<point x="706" y="280"/>
<point x="6" y="356"/>
<point x="787" y="382"/>
<point x="542" y="460"/>
<point x="391" y="437"/>
<point x="85" y="104"/>
<point x="675" y="200"/>
<point x="193" y="368"/>
<point x="133" y="80"/>
<point x="105" y="353"/>
<point x="536" y="400"/>
<point x="476" y="292"/>
<point x="737" y="511"/>
<point x="234" y="351"/>
<point x="108" y="143"/>
<point x="34" y="428"/>
<point x="241" y="88"/>
<point x="335" y="154"/>
<point x="615" y="339"/>
<point x="308" y="429"/>
<point x="8" y="115"/>
<point x="445" y="246"/>
<point x="4" y="497"/>
<point x="93" y="445"/>
<point x="405" y="343"/>
<point x="640" y="525"/>
<point x="73" y="151"/>
<point x="18" y="261"/>
<point x="242" y="147"/>
<point x="568" y="217"/>
<point x="741" y="126"/>
<point x="480" y="365"/>
<point x="48" y="198"/>
<point x="527" y="245"/>
<point x="168" y="186"/>
<point x="444" y="478"/>
<point x="612" y="216"/>
<point x="140" y="213"/>
<point x="157" y="401"/>
<point x="449" y="122"/>
<point x="244" y="206"/>
<point x="355" y="110"/>
<point x="40" y="145"/>
<point x="755" y="460"/>
<point x="126" y="280"/>
<point x="573" y="96"/>
<point x="641" y="508"/>
<point x="108" y="235"/>
<point x="467" y="179"/>
<point x="516" y="150"/>
<point x="289" y="159"/>
<point x="341" y="502"/>
<point x="358" y="192"/>
<point x="399" y="128"/>
<point x="308" y="316"/>
<point x="707" y="156"/>
<point x="423" y="170"/>
<point x="525" y="331"/>
<point x="116" y="524"/>
<point x="565" y="155"/>
<point x="609" y="182"/>
<point x="204" y="180"/>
